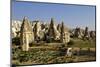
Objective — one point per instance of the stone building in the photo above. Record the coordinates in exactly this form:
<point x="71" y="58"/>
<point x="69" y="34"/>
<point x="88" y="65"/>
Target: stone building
<point x="27" y="35"/>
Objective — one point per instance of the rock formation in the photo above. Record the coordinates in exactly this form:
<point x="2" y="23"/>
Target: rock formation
<point x="36" y="30"/>
<point x="52" y="31"/>
<point x="14" y="34"/>
<point x="86" y="33"/>
<point x="59" y="27"/>
<point x="83" y="33"/>
<point x="27" y="35"/>
<point x="16" y="28"/>
<point x="65" y="35"/>
<point x="78" y="33"/>
<point x="92" y="34"/>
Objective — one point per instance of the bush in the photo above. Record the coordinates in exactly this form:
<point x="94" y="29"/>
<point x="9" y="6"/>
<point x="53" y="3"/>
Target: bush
<point x="62" y="50"/>
<point x="15" y="53"/>
<point x="16" y="41"/>
<point x="31" y="44"/>
<point x="25" y="56"/>
<point x="71" y="43"/>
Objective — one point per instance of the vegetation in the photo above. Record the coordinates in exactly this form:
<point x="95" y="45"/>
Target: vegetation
<point x="16" y="41"/>
<point x="82" y="43"/>
<point x="47" y="53"/>
<point x="70" y="43"/>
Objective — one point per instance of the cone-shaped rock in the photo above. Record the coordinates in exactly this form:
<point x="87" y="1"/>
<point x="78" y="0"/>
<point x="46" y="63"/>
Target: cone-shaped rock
<point x="59" y="27"/>
<point x="52" y="31"/>
<point x="65" y="36"/>
<point x="86" y="34"/>
<point x="92" y="34"/>
<point x="37" y="31"/>
<point x="26" y="34"/>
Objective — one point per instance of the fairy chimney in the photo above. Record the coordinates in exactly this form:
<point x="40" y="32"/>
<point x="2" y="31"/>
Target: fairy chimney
<point x="86" y="34"/>
<point x="53" y="33"/>
<point x="65" y="35"/>
<point x="26" y="34"/>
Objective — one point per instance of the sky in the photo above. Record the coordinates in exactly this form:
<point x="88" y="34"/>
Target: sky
<point x="72" y="15"/>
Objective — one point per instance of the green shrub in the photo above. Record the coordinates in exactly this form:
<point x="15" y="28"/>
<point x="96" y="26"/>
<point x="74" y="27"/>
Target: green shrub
<point x="25" y="56"/>
<point x="31" y="44"/>
<point x="70" y="43"/>
<point x="16" y="41"/>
